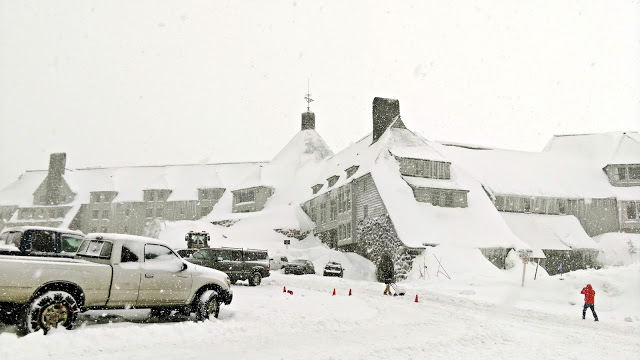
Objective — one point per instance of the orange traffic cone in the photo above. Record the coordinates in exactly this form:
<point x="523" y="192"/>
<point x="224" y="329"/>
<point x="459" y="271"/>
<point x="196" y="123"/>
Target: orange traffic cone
<point x="416" y="298"/>
<point x="284" y="289"/>
<point x="334" y="292"/>
<point x="349" y="292"/>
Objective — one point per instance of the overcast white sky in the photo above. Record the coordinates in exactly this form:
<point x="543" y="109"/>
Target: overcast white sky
<point x="170" y="82"/>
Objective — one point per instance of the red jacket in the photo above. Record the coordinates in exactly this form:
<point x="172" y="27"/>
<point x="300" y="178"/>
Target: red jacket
<point x="589" y="294"/>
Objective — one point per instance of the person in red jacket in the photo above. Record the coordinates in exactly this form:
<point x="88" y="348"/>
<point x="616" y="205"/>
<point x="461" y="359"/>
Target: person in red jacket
<point x="589" y="294"/>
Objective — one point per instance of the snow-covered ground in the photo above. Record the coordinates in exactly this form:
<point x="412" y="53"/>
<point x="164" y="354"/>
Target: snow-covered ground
<point x="480" y="313"/>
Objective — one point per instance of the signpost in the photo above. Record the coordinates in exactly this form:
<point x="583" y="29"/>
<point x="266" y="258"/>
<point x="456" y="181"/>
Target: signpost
<point x="524" y="255"/>
<point x="287" y="242"/>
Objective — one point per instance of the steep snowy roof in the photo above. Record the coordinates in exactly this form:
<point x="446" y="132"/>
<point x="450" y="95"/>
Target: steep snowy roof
<point x="533" y="174"/>
<point x="549" y="232"/>
<point x="600" y="149"/>
<point x="420" y="223"/>
<point x="20" y="192"/>
<point x="129" y="182"/>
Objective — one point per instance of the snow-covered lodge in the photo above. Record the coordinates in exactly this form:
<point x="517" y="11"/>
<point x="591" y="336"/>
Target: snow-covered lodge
<point x="391" y="191"/>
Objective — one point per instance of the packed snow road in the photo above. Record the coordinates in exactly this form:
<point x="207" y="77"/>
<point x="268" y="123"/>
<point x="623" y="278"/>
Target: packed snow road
<point x="263" y="322"/>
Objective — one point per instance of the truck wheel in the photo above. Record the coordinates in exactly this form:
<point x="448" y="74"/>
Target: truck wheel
<point x="49" y="310"/>
<point x="255" y="279"/>
<point x="207" y="305"/>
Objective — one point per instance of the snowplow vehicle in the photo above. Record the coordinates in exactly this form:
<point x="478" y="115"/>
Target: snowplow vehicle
<point x="109" y="271"/>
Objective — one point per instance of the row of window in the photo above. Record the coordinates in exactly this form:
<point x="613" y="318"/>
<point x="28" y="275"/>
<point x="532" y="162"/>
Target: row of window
<point x="62" y="199"/>
<point x="442" y="198"/>
<point x="243" y="196"/>
<point x="629" y="173"/>
<point x="41" y="213"/>
<point x="425" y="168"/>
<point x="149" y="212"/>
<point x="548" y="205"/>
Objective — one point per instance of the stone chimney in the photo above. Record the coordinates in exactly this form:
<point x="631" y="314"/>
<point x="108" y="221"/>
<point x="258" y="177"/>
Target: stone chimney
<point x="308" y="120"/>
<point x="384" y="112"/>
<point x="57" y="163"/>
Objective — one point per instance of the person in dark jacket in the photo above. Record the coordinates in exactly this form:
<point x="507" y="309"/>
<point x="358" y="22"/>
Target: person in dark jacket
<point x="589" y="295"/>
<point x="386" y="272"/>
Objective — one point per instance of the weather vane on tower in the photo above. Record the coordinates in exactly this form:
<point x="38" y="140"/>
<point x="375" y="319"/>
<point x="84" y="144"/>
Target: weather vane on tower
<point x="308" y="96"/>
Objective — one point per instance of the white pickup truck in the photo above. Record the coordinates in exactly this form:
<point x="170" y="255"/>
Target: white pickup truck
<point x="109" y="271"/>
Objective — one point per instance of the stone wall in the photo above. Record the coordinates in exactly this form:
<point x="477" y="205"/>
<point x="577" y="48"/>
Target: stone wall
<point x="376" y="236"/>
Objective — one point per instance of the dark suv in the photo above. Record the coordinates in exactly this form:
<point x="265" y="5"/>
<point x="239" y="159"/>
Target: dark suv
<point x="238" y="264"/>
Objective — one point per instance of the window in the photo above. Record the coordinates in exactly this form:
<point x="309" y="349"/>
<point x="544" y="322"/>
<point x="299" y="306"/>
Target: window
<point x="341" y="204"/>
<point x="243" y="196"/>
<point x="634" y="173"/>
<point x="332" y="180"/>
<point x="347" y="195"/>
<point x="160" y="212"/>
<point x="149" y="212"/>
<point x="149" y="195"/>
<point x="60" y="213"/>
<point x="96" y="198"/>
<point x="204" y="194"/>
<point x="561" y="207"/>
<point x="632" y="211"/>
<point x="527" y="205"/>
<point x="158" y="254"/>
<point x="435" y="198"/>
<point x="205" y="210"/>
<point x="96" y="214"/>
<point x="419" y="167"/>
<point x="312" y="211"/>
<point x="448" y="199"/>
<point x="105" y="229"/>
<point x="128" y="255"/>
<point x="43" y="241"/>
<point x="348" y="230"/>
<point x="95" y="248"/>
<point x="334" y="210"/>
<point x="105" y="214"/>
<point x="127" y="212"/>
<point x="323" y="212"/>
<point x="622" y="173"/>
<point x="365" y="210"/>
<point x="70" y="243"/>
<point x="340" y="232"/>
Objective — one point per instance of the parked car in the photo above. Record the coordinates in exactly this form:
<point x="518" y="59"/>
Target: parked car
<point x="109" y="271"/>
<point x="40" y="241"/>
<point x="299" y="267"/>
<point x="333" y="269"/>
<point x="278" y="262"/>
<point x="238" y="263"/>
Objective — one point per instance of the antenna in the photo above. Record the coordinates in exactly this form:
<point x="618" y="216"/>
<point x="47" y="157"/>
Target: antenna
<point x="308" y="96"/>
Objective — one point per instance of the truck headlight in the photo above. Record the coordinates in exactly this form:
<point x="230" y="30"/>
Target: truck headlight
<point x="228" y="281"/>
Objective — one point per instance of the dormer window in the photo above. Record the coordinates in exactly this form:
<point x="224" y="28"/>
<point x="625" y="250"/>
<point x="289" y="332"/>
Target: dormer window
<point x="351" y="170"/>
<point x="316" y="188"/>
<point x="332" y="180"/>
